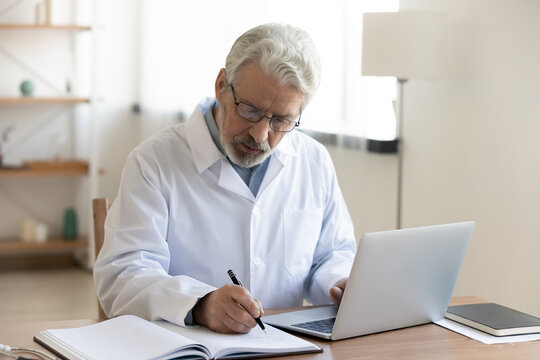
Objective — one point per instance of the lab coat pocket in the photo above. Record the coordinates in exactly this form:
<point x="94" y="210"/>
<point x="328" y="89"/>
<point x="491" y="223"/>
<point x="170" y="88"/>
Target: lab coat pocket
<point x="302" y="228"/>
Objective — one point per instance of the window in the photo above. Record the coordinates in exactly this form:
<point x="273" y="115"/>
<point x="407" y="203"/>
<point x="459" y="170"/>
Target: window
<point x="184" y="46"/>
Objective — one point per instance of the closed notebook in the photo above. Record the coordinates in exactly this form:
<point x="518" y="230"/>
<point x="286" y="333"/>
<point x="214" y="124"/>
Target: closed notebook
<point x="494" y="319"/>
<point x="133" y="338"/>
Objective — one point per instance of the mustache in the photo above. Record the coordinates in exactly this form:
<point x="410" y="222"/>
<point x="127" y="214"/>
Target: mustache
<point x="249" y="141"/>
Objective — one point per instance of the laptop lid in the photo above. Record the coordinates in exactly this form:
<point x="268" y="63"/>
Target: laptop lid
<point x="399" y="278"/>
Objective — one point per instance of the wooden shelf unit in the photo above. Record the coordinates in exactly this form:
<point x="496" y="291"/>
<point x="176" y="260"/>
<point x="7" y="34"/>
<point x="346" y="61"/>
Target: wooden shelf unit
<point x="14" y="253"/>
<point x="55" y="244"/>
<point x="43" y="100"/>
<point x="65" y="27"/>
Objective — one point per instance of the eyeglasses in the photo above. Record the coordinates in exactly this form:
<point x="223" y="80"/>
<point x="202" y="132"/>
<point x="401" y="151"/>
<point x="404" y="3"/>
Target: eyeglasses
<point x="251" y="113"/>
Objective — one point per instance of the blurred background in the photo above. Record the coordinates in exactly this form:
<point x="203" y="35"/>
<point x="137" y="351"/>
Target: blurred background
<point x="82" y="82"/>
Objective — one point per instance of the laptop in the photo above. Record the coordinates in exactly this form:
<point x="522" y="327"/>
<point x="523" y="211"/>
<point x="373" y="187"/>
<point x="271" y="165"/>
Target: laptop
<point x="399" y="278"/>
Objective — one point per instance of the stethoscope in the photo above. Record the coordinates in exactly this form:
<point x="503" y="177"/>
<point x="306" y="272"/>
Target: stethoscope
<point x="10" y="351"/>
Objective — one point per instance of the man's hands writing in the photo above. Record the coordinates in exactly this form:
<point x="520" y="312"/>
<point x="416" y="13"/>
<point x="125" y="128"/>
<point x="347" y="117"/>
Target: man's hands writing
<point x="229" y="309"/>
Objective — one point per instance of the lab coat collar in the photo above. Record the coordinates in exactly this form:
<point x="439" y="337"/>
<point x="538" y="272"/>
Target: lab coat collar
<point x="204" y="150"/>
<point x="285" y="148"/>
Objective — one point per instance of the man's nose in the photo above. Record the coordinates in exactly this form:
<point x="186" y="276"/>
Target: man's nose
<point x="260" y="130"/>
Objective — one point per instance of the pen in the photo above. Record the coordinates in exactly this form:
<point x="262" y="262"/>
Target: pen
<point x="236" y="281"/>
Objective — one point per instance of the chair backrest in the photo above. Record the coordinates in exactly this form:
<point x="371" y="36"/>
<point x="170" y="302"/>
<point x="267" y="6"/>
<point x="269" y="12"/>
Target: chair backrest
<point x="100" y="207"/>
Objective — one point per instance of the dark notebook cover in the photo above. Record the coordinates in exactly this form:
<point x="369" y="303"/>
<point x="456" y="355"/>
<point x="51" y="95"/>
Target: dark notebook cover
<point x="494" y="319"/>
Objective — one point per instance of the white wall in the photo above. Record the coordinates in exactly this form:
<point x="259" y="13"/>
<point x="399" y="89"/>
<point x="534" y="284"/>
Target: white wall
<point x="472" y="145"/>
<point x="369" y="185"/>
<point x="118" y="128"/>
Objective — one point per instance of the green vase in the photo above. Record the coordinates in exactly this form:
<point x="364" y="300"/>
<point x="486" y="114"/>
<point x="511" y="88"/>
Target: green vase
<point x="70" y="224"/>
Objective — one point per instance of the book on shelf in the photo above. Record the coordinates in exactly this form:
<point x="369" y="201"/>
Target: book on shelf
<point x="494" y="319"/>
<point x="131" y="337"/>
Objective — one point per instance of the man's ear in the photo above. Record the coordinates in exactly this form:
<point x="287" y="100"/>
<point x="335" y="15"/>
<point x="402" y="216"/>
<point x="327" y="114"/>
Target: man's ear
<point x="221" y="85"/>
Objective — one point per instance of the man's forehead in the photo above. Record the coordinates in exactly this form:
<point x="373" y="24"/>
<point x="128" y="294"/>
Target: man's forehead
<point x="257" y="87"/>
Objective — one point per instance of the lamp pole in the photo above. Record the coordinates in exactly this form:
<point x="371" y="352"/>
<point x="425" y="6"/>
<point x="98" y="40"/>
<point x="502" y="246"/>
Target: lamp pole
<point x="399" y="134"/>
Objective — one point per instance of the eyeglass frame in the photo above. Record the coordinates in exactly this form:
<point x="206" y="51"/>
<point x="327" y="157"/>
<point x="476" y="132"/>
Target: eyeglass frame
<point x="237" y="103"/>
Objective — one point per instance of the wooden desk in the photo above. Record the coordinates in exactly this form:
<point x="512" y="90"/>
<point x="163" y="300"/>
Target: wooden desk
<point x="419" y="342"/>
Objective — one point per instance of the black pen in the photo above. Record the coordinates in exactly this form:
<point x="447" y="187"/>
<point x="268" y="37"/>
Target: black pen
<point x="236" y="281"/>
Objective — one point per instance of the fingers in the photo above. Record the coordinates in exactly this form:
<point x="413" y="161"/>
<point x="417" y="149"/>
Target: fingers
<point x="261" y="310"/>
<point x="229" y="309"/>
<point x="342" y="283"/>
<point x="336" y="292"/>
<point x="235" y="321"/>
<point x="248" y="303"/>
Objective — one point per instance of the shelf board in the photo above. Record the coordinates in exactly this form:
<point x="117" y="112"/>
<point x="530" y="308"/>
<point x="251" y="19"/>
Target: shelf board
<point x="54" y="244"/>
<point x="68" y="27"/>
<point x="43" y="100"/>
<point x="26" y="172"/>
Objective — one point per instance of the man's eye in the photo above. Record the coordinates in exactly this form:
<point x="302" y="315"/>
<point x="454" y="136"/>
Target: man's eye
<point x="249" y="113"/>
<point x="280" y="120"/>
<point x="252" y="111"/>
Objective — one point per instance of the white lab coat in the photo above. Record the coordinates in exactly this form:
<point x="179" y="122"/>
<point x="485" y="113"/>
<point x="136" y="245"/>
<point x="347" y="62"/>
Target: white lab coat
<point x="183" y="217"/>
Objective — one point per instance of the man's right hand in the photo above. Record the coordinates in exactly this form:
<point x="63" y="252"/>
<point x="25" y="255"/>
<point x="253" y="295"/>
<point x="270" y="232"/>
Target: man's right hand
<point x="229" y="309"/>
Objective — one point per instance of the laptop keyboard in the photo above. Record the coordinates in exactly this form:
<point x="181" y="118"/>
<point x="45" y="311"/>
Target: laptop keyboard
<point x="324" y="325"/>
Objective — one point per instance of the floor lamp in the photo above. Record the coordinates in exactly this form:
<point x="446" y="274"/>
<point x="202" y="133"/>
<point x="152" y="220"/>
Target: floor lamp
<point x="406" y="45"/>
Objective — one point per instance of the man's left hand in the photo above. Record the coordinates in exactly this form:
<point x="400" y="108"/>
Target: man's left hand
<point x="336" y="292"/>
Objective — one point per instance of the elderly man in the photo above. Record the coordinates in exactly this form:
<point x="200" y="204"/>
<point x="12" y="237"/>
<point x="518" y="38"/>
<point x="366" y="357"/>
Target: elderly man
<point x="235" y="187"/>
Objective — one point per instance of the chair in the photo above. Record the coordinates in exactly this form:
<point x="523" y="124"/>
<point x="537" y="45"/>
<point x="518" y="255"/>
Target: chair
<point x="100" y="207"/>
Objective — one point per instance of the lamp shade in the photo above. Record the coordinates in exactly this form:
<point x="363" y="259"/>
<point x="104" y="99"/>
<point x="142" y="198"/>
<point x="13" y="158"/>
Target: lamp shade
<point x="405" y="44"/>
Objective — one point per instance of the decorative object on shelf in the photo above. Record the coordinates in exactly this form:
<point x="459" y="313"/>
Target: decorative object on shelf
<point x="33" y="232"/>
<point x="39" y="13"/>
<point x="43" y="13"/>
<point x="47" y="11"/>
<point x="3" y="139"/>
<point x="27" y="88"/>
<point x="28" y="230"/>
<point x="70" y="224"/>
<point x="41" y="233"/>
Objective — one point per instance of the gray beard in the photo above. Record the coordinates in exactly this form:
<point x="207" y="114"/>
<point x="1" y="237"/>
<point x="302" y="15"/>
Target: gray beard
<point x="242" y="158"/>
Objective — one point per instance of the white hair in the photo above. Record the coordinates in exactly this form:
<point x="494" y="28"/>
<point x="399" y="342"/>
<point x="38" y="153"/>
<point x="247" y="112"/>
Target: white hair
<point x="282" y="50"/>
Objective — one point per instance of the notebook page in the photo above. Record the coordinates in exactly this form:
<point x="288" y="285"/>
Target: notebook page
<point x="276" y="341"/>
<point x="124" y="337"/>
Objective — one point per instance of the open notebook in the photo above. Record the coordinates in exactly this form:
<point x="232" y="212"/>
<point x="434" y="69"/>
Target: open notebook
<point x="133" y="338"/>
